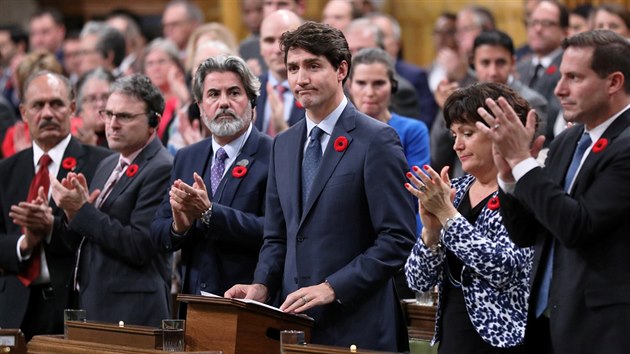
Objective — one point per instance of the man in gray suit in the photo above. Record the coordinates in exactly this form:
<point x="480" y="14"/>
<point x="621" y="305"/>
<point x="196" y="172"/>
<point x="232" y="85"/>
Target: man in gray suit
<point x="493" y="58"/>
<point x="546" y="28"/>
<point x="119" y="273"/>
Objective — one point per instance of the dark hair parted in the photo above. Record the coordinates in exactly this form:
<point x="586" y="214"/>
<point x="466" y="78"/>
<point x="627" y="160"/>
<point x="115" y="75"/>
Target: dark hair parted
<point x="563" y="13"/>
<point x="461" y="106"/>
<point x="318" y="39"/>
<point x="141" y="88"/>
<point x="610" y="52"/>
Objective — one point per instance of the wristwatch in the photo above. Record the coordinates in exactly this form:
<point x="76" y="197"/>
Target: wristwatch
<point x="206" y="215"/>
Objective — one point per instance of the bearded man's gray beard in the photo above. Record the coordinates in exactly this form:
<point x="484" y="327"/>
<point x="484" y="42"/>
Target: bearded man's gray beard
<point x="227" y="127"/>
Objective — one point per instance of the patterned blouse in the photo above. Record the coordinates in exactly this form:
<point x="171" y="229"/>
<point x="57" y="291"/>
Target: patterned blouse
<point x="494" y="279"/>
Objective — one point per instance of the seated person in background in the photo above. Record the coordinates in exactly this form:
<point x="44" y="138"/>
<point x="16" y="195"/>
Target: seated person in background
<point x="483" y="278"/>
<point x="371" y="84"/>
<point x="93" y="91"/>
<point x="120" y="274"/>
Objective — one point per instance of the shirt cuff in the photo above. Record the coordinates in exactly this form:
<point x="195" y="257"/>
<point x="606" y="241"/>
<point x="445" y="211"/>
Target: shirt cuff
<point x="506" y="187"/>
<point x="523" y="167"/>
<point x="21" y="257"/>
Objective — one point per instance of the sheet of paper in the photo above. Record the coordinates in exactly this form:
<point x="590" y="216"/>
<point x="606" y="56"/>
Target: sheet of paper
<point x="204" y="293"/>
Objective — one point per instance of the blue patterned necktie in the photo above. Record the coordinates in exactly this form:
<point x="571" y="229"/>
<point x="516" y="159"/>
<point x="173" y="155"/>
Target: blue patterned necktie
<point x="543" y="291"/>
<point x="218" y="167"/>
<point x="310" y="164"/>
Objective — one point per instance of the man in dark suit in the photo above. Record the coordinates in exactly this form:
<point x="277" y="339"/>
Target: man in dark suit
<point x="276" y="109"/>
<point x="120" y="274"/>
<point x="214" y="210"/>
<point x="546" y="28"/>
<point x="30" y="228"/>
<point x="574" y="211"/>
<point x="338" y="226"/>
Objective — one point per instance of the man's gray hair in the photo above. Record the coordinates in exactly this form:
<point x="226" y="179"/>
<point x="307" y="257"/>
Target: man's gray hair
<point x="362" y="24"/>
<point x="230" y="63"/>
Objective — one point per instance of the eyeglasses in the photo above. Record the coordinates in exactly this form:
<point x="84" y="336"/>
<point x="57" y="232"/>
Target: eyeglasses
<point x="542" y="23"/>
<point x="121" y="117"/>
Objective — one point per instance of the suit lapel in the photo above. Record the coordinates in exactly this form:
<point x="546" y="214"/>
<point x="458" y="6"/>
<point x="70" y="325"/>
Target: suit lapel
<point x="226" y="191"/>
<point x="73" y="150"/>
<point x="331" y="157"/>
<point x="292" y="171"/>
<point x="611" y="133"/>
<point x="141" y="160"/>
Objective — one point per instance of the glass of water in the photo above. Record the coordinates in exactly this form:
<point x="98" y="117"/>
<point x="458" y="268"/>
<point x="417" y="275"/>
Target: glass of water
<point x="173" y="335"/>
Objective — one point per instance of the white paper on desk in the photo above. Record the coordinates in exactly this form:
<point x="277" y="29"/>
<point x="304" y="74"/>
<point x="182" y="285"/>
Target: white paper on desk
<point x="249" y="301"/>
<point x="204" y="293"/>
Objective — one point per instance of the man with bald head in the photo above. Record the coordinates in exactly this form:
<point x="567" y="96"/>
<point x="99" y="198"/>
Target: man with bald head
<point x="276" y="108"/>
<point x="35" y="262"/>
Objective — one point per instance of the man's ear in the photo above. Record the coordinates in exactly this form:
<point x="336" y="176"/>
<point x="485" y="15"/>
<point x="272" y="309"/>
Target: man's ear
<point x="617" y="82"/>
<point x="342" y="71"/>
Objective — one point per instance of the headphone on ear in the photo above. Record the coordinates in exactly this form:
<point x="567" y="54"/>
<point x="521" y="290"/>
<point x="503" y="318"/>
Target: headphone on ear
<point x="153" y="118"/>
<point x="252" y="102"/>
<point x="394" y="84"/>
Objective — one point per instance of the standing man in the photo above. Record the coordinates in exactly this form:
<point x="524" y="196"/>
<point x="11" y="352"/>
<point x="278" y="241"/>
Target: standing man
<point x="546" y="28"/>
<point x="47" y="31"/>
<point x="337" y="224"/>
<point x="277" y="109"/>
<point x="574" y="211"/>
<point x="120" y="274"/>
<point x="35" y="261"/>
<point x="214" y="209"/>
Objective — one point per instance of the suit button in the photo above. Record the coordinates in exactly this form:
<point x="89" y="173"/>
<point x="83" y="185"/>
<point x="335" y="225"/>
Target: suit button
<point x="300" y="239"/>
<point x="203" y="285"/>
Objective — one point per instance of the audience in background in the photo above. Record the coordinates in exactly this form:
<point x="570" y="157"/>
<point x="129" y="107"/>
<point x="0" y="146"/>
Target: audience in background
<point x="613" y="17"/>
<point x="179" y="20"/>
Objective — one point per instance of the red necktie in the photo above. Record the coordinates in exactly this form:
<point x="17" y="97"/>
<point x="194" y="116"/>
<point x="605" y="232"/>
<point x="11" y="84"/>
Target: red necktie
<point x="271" y="131"/>
<point x="41" y="179"/>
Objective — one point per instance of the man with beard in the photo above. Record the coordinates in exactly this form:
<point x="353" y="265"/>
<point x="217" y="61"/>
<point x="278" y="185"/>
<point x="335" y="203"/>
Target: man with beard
<point x="214" y="209"/>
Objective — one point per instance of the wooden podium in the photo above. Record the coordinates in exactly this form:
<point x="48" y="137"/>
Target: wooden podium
<point x="420" y="320"/>
<point x="235" y="326"/>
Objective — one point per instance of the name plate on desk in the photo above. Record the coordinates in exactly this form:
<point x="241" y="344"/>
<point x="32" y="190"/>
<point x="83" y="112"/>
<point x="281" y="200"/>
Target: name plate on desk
<point x="12" y="341"/>
<point x="108" y="333"/>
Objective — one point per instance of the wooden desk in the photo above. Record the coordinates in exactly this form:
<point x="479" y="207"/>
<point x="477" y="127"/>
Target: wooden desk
<point x="59" y="345"/>
<point x="324" y="349"/>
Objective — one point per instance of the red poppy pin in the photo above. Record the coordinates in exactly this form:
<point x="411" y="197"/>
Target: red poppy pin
<point x="493" y="203"/>
<point x="600" y="145"/>
<point x="551" y="69"/>
<point x="298" y="104"/>
<point x="341" y="143"/>
<point x="69" y="163"/>
<point x="240" y="170"/>
<point x="132" y="170"/>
